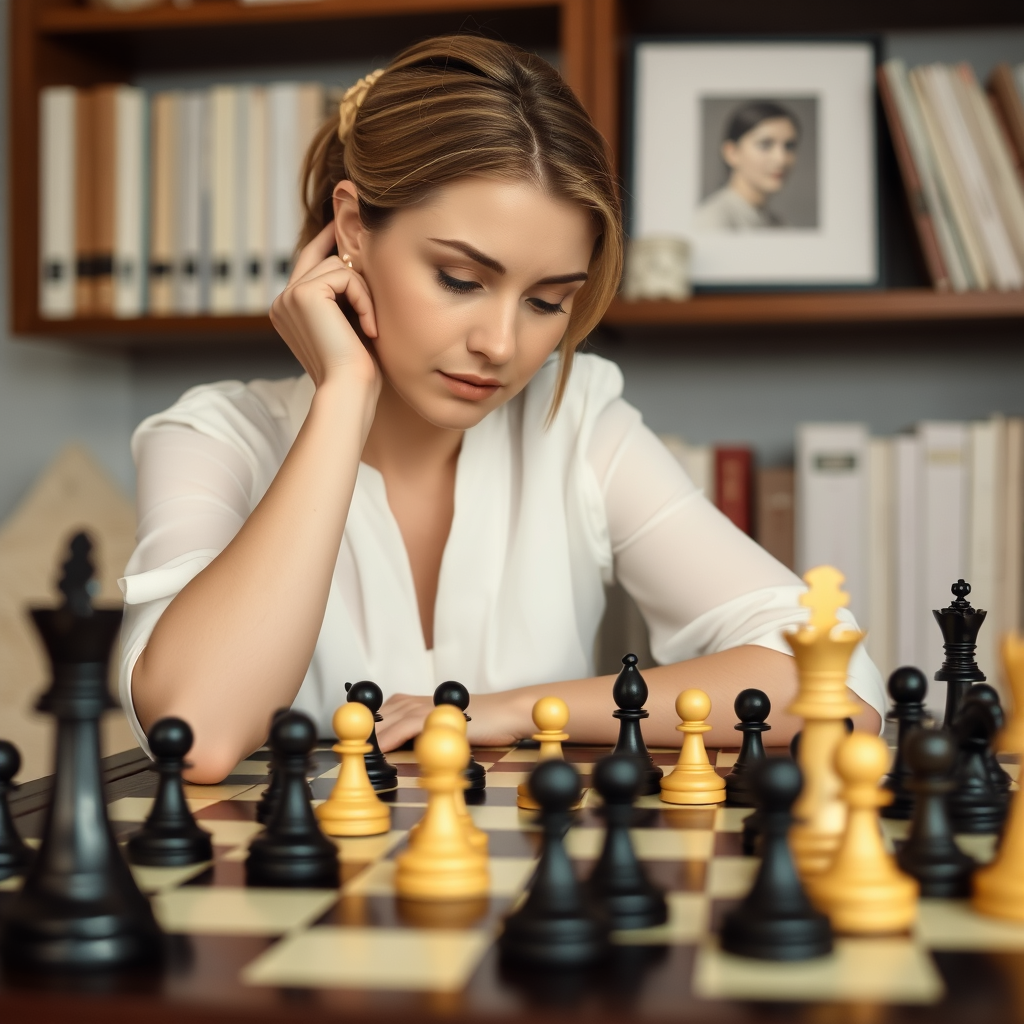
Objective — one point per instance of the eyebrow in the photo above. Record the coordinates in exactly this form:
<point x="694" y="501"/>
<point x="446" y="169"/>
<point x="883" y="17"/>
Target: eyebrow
<point x="492" y="264"/>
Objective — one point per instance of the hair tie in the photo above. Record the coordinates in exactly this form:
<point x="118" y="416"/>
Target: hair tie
<point x="352" y="101"/>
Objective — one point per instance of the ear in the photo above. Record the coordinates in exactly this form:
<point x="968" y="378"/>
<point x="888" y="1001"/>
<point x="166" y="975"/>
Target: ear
<point x="349" y="232"/>
<point x="730" y="153"/>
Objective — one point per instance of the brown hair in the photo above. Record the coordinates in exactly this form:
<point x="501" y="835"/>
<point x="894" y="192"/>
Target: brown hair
<point x="458" y="106"/>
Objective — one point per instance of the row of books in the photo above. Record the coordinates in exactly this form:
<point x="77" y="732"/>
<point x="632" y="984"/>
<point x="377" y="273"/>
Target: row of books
<point x="905" y="517"/>
<point x="961" y="155"/>
<point x="172" y="203"/>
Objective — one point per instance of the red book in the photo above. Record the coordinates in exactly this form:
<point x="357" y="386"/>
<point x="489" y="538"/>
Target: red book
<point x="733" y="472"/>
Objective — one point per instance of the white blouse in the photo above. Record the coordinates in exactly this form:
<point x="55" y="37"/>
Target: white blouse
<point x="544" y="518"/>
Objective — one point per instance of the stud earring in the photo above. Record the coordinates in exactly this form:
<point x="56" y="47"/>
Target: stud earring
<point x="347" y="260"/>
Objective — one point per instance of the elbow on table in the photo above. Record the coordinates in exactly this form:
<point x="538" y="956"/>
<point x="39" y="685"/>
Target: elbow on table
<point x="212" y="762"/>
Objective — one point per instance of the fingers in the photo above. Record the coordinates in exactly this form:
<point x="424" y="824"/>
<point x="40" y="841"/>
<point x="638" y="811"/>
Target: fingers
<point x="313" y="253"/>
<point x="403" y="720"/>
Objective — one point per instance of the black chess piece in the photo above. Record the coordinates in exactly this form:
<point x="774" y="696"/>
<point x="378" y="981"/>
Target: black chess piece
<point x="15" y="855"/>
<point x="455" y="693"/>
<point x="975" y="804"/>
<point x="555" y="928"/>
<point x="776" y="920"/>
<point x="79" y="908"/>
<point x="293" y="851"/>
<point x="618" y="883"/>
<point x="959" y="623"/>
<point x="752" y="707"/>
<point x="630" y="694"/>
<point x="908" y="688"/>
<point x="988" y="694"/>
<point x="272" y="793"/>
<point x="930" y="853"/>
<point x="170" y="837"/>
<point x="383" y="776"/>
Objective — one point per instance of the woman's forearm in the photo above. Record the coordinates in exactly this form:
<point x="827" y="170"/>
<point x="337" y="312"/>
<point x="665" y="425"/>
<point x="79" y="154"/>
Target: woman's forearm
<point x="235" y="643"/>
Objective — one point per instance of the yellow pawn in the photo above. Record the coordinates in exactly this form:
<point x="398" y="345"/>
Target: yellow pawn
<point x="353" y="808"/>
<point x="693" y="780"/>
<point x="863" y="891"/>
<point x="450" y="717"/>
<point x="550" y="715"/>
<point x="440" y="863"/>
<point x="999" y="887"/>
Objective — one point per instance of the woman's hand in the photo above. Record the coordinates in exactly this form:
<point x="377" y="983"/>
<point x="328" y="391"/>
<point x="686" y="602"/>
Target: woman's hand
<point x="498" y="719"/>
<point x="307" y="316"/>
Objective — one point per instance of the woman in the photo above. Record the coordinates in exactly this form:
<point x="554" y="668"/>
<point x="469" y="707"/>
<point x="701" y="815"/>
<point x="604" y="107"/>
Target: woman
<point x="445" y="491"/>
<point x="759" y="151"/>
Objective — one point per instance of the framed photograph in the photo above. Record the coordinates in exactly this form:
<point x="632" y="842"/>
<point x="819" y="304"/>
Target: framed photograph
<point x="761" y="155"/>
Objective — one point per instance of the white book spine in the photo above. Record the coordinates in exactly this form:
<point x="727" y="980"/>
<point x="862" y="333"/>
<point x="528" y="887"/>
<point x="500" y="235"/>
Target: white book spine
<point x="282" y="182"/>
<point x="129" y="279"/>
<point x="880" y="618"/>
<point x="57" y="203"/>
<point x="907" y="495"/>
<point x="945" y="504"/>
<point x="957" y="264"/>
<point x="188" y="248"/>
<point x="832" y="503"/>
<point x="1002" y="260"/>
<point x="255" y="216"/>
<point x="164" y="146"/>
<point x="984" y="533"/>
<point x="223" y="128"/>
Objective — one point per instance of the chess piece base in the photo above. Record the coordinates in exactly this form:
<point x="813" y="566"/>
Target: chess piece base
<point x="431" y="877"/>
<point x="171" y="851"/>
<point x="878" y="907"/>
<point x="304" y="867"/>
<point x="774" y="938"/>
<point x="812" y="850"/>
<point x="370" y="819"/>
<point x="696" y="784"/>
<point x="383" y="776"/>
<point x="999" y="892"/>
<point x="553" y="944"/>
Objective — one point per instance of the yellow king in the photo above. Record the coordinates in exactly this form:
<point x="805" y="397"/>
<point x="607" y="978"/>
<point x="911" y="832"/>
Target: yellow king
<point x="822" y="657"/>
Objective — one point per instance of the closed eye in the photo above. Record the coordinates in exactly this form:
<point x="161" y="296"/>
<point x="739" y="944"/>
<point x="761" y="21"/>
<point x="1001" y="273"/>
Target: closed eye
<point x="546" y="307"/>
<point x="456" y="284"/>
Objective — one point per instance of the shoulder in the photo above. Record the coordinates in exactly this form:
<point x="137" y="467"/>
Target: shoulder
<point x="716" y="212"/>
<point x="593" y="384"/>
<point x="259" y="418"/>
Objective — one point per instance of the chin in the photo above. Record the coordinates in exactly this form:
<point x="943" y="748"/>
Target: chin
<point x="452" y="414"/>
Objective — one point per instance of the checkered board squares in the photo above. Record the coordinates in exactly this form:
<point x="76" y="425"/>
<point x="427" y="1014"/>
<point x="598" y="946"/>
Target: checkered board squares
<point x="363" y="937"/>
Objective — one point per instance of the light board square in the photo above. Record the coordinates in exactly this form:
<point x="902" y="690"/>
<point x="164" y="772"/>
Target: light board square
<point x="240" y="911"/>
<point x="858" y="970"/>
<point x="509" y="876"/>
<point x="440" y="960"/>
<point x="953" y="924"/>
<point x="731" y="877"/>
<point x="649" y="843"/>
<point x="687" y="923"/>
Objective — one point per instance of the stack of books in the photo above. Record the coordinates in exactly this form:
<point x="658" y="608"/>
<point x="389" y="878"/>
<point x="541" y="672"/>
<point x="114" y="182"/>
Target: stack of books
<point x="905" y="517"/>
<point x="171" y="204"/>
<point x="961" y="155"/>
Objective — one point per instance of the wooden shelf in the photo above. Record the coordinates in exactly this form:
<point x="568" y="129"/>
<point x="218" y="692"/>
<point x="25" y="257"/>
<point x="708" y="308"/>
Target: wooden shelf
<point x="896" y="306"/>
<point x="210" y="13"/>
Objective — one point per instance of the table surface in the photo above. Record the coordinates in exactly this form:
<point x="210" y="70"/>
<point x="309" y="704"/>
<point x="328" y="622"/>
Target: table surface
<point x="644" y="983"/>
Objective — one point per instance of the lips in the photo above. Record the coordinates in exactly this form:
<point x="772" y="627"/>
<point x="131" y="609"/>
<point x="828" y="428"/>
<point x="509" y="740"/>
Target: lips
<point x="470" y="386"/>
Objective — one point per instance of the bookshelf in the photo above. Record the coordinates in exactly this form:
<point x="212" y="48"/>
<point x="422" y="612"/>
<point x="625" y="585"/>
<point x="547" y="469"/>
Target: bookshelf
<point x="67" y="42"/>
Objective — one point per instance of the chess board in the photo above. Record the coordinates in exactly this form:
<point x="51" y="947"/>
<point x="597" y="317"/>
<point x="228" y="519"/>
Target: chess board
<point x="314" y="954"/>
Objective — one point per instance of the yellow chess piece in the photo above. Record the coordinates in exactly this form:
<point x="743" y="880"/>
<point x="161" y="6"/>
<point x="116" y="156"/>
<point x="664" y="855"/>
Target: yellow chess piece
<point x="863" y="891"/>
<point x="822" y="658"/>
<point x="693" y="780"/>
<point x="450" y="717"/>
<point x="999" y="887"/>
<point x="353" y="808"/>
<point x="550" y="715"/>
<point x="440" y="863"/>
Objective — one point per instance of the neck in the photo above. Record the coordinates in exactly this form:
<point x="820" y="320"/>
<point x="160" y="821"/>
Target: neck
<point x="745" y="190"/>
<point x="401" y="440"/>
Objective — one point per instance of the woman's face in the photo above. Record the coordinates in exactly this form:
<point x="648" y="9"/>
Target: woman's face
<point x="472" y="291"/>
<point x="765" y="155"/>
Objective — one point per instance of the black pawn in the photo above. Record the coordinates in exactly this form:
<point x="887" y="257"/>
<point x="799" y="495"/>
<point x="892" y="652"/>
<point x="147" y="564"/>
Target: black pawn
<point x="959" y="623"/>
<point x="908" y="689"/>
<point x="618" y="883"/>
<point x="170" y="837"/>
<point x="554" y="928"/>
<point x="988" y="694"/>
<point x="15" y="856"/>
<point x="975" y="805"/>
<point x="79" y="908"/>
<point x="383" y="776"/>
<point x="630" y="694"/>
<point x="293" y="851"/>
<point x="455" y="693"/>
<point x="776" y="920"/>
<point x="930" y="853"/>
<point x="272" y="792"/>
<point x="752" y="707"/>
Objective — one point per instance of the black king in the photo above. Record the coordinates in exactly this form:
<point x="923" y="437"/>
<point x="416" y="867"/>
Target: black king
<point x="959" y="624"/>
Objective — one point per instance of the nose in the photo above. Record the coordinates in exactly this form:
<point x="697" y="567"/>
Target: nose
<point x="494" y="335"/>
